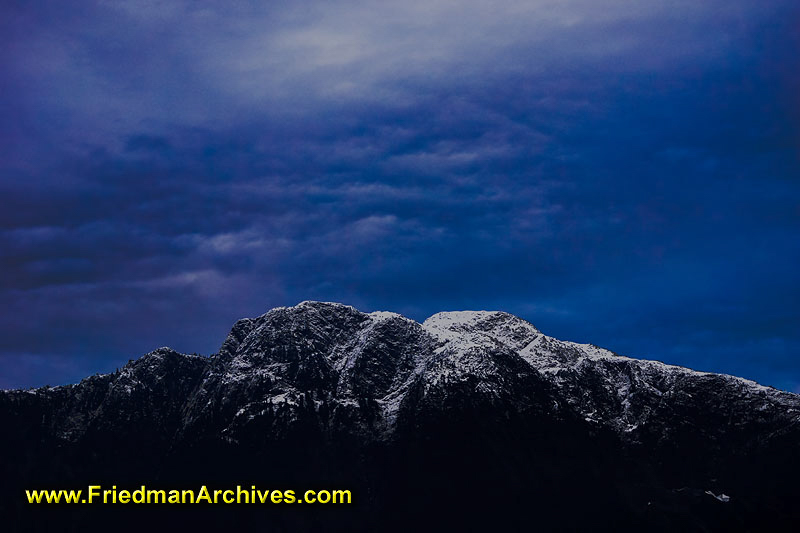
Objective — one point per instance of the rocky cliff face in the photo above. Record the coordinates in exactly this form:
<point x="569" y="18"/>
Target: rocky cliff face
<point x="472" y="419"/>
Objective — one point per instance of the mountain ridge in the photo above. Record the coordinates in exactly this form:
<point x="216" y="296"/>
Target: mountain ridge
<point x="341" y="394"/>
<point x="459" y="330"/>
<point x="390" y="314"/>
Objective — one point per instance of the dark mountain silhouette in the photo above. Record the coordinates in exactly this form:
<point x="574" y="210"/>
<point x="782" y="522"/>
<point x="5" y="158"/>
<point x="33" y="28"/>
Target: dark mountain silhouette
<point x="470" y="421"/>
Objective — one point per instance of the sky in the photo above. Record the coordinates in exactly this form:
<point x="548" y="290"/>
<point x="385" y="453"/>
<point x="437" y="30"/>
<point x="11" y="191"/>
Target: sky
<point x="625" y="173"/>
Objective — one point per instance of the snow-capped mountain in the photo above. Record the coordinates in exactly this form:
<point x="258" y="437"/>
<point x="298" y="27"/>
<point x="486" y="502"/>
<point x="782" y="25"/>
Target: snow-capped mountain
<point x="418" y="419"/>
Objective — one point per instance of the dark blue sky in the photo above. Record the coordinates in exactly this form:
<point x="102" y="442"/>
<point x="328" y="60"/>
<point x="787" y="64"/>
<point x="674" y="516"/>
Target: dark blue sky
<point x="625" y="173"/>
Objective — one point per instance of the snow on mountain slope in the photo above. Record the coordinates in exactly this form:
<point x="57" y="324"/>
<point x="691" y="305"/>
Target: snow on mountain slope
<point x="345" y="357"/>
<point x="605" y="388"/>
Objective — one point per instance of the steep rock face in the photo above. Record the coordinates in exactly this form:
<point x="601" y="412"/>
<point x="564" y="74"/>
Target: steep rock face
<point x="144" y="397"/>
<point x="465" y="401"/>
<point x="312" y="353"/>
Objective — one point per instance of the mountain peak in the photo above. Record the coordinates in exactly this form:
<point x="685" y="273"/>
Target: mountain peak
<point x="460" y="319"/>
<point x="322" y="305"/>
<point x="499" y="326"/>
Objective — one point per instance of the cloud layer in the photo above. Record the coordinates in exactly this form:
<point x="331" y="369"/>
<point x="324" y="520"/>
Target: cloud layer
<point x="622" y="173"/>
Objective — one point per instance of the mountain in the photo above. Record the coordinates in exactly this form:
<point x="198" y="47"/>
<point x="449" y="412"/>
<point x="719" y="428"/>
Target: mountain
<point x="470" y="420"/>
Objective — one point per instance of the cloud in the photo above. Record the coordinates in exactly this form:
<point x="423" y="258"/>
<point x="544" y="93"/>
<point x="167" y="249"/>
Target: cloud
<point x="621" y="173"/>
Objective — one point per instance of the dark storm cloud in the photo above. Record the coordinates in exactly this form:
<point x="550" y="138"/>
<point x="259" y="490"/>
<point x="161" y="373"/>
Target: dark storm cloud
<point x="622" y="173"/>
